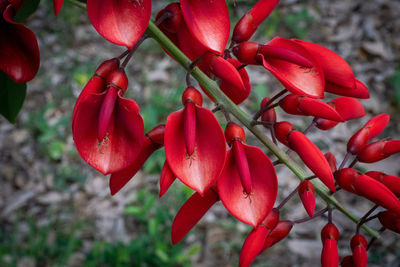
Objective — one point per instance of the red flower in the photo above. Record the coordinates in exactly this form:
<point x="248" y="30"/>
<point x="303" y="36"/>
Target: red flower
<point x="57" y="6"/>
<point x="19" y="51"/>
<point x="121" y="22"/>
<point x="194" y="143"/>
<point x="248" y="184"/>
<point x="108" y="129"/>
<point x="329" y="237"/>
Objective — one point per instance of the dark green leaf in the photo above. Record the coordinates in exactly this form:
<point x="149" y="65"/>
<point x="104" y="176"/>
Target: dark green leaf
<point x="12" y="97"/>
<point x="27" y="9"/>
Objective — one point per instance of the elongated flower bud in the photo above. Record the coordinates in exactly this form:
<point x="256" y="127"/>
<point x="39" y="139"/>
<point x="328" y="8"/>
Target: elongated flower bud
<point x="329" y="237"/>
<point x="306" y="192"/>
<point x="390" y="220"/>
<point x="392" y="182"/>
<point x="379" y="150"/>
<point x="359" y="247"/>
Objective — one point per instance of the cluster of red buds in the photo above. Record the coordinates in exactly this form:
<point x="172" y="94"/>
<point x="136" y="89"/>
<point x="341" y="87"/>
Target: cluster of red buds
<point x="109" y="134"/>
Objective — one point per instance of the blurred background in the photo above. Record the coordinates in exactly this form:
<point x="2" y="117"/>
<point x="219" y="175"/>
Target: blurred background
<point x="57" y="211"/>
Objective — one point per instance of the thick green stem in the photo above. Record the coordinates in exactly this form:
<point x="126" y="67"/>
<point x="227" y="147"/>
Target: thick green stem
<point x="221" y="99"/>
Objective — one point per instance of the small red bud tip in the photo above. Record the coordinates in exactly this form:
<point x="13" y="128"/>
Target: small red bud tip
<point x="270" y="114"/>
<point x="234" y="131"/>
<point x="246" y="53"/>
<point x="390" y="220"/>
<point x="192" y="94"/>
<point x="331" y="160"/>
<point x="306" y="192"/>
<point x="378" y="151"/>
<point x="118" y="79"/>
<point x="359" y="247"/>
<point x="107" y="67"/>
<point x="282" y="131"/>
<point x="329" y="231"/>
<point x="156" y="134"/>
<point x="174" y="17"/>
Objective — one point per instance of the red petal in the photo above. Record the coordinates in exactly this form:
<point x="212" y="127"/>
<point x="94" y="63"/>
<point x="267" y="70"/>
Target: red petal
<point x="201" y="170"/>
<point x="306" y="193"/>
<point x="295" y="78"/>
<point x="166" y="179"/>
<point x="376" y="125"/>
<point x="57" y="6"/>
<point x="331" y="160"/>
<point x="390" y="220"/>
<point x="312" y="157"/>
<point x="360" y="257"/>
<point x="121" y="22"/>
<point x="377" y="193"/>
<point x="345" y="179"/>
<point x="390" y="181"/>
<point x="253" y="208"/>
<point x="336" y="70"/>
<point x="19" y="51"/>
<point x="253" y="245"/>
<point x="261" y="10"/>
<point x="281" y="230"/>
<point x="123" y="142"/>
<point x="190" y="213"/>
<point x="121" y="178"/>
<point x="189" y="44"/>
<point x="348" y="107"/>
<point x="208" y="21"/>
<point x="329" y="255"/>
<point x="359" y="91"/>
<point x="242" y="165"/>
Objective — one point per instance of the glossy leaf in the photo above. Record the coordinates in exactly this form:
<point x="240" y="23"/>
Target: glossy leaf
<point x="12" y="96"/>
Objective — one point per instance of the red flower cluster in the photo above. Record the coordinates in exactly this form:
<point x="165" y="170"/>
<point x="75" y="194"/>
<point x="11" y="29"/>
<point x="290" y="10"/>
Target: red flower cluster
<point x="109" y="135"/>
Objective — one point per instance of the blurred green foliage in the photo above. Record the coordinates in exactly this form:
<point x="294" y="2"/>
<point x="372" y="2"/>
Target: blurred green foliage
<point x="299" y="22"/>
<point x="396" y="84"/>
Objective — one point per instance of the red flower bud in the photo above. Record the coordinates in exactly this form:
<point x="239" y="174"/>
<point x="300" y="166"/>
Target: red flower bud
<point x="329" y="237"/>
<point x="390" y="220"/>
<point x="306" y="192"/>
<point x="331" y="160"/>
<point x="270" y="114"/>
<point x="390" y="181"/>
<point x="378" y="151"/>
<point x="359" y="247"/>
<point x="57" y="6"/>
<point x="278" y="233"/>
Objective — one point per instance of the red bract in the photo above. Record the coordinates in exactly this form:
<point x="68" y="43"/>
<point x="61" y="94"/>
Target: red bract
<point x="19" y="51"/>
<point x="306" y="106"/>
<point x="248" y="184"/>
<point x="191" y="212"/>
<point x="306" y="192"/>
<point x="392" y="182"/>
<point x="390" y="220"/>
<point x="153" y="140"/>
<point x="289" y="62"/>
<point x="166" y="179"/>
<point x="57" y="6"/>
<point x="108" y="129"/>
<point x="358" y="246"/>
<point x="351" y="180"/>
<point x="329" y="237"/>
<point x="249" y="23"/>
<point x="208" y="21"/>
<point x="307" y="151"/>
<point x="339" y="78"/>
<point x="348" y="108"/>
<point x="254" y="243"/>
<point x="121" y="22"/>
<point x="194" y="143"/>
<point x="369" y="131"/>
<point x="378" y="151"/>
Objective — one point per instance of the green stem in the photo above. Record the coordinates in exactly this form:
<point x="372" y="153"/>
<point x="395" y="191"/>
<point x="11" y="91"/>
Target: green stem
<point x="221" y="99"/>
<point x="78" y="4"/>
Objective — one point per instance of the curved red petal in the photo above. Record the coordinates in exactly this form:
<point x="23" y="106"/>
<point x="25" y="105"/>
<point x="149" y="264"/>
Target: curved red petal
<point x="123" y="141"/>
<point x="377" y="193"/>
<point x="295" y="78"/>
<point x="208" y="21"/>
<point x="253" y="245"/>
<point x="336" y="70"/>
<point x="253" y="208"/>
<point x="358" y="91"/>
<point x="392" y="182"/>
<point x="312" y="157"/>
<point x="189" y="44"/>
<point x="348" y="107"/>
<point x="376" y="125"/>
<point x="120" y="178"/>
<point x="200" y="170"/>
<point x="121" y="22"/>
<point x="317" y="108"/>
<point x="166" y="179"/>
<point x="57" y="6"/>
<point x="261" y="10"/>
<point x="329" y="255"/>
<point x="19" y="50"/>
<point x="190" y="213"/>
